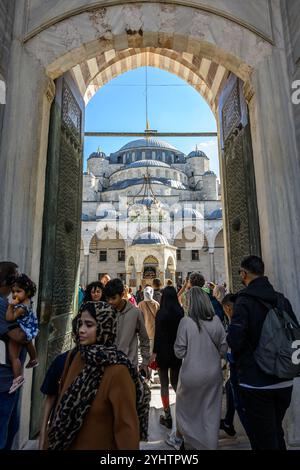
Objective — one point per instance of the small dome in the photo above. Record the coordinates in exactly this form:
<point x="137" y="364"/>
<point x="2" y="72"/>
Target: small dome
<point x="141" y="163"/>
<point x="149" y="201"/>
<point x="187" y="213"/>
<point x="97" y="155"/>
<point x="106" y="214"/>
<point x="197" y="153"/>
<point x="150" y="238"/>
<point x="210" y="173"/>
<point x="214" y="215"/>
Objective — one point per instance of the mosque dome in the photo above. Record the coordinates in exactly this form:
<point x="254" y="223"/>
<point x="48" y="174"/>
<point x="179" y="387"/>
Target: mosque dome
<point x="98" y="154"/>
<point x="197" y="153"/>
<point x="150" y="238"/>
<point x="187" y="213"/>
<point x="148" y="143"/>
<point x="209" y="173"/>
<point x="153" y="163"/>
<point x="214" y="215"/>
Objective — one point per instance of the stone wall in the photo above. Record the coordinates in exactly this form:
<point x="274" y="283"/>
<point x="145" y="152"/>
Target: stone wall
<point x="7" y="8"/>
<point x="291" y="19"/>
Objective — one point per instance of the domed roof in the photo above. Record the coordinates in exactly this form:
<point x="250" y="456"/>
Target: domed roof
<point x="197" y="153"/>
<point x="149" y="201"/>
<point x="214" y="215"/>
<point x="155" y="180"/>
<point x="149" y="143"/>
<point x="150" y="238"/>
<point x="103" y="213"/>
<point x="209" y="173"/>
<point x="187" y="213"/>
<point x="97" y="155"/>
<point x="141" y="163"/>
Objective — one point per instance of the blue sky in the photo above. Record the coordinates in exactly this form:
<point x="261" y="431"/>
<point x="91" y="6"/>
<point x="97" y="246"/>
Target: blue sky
<point x="173" y="106"/>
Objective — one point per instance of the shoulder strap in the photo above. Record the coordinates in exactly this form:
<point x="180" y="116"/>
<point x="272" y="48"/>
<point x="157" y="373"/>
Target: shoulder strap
<point x="204" y="326"/>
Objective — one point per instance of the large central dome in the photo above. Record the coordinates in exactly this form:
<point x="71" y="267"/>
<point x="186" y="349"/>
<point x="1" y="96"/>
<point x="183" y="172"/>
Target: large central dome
<point x="141" y="163"/>
<point x="148" y="143"/>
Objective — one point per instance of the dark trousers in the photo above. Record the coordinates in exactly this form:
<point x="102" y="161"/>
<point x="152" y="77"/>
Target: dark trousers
<point x="164" y="379"/>
<point x="9" y="418"/>
<point x="234" y="402"/>
<point x="265" y="410"/>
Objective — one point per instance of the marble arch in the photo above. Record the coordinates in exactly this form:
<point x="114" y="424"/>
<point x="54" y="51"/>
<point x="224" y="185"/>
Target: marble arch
<point x="246" y="41"/>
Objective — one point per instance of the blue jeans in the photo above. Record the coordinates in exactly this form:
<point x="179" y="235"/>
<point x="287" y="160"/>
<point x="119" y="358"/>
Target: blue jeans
<point x="9" y="418"/>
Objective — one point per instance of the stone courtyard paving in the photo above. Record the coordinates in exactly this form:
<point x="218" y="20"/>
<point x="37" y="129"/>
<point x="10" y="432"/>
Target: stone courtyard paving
<point x="158" y="434"/>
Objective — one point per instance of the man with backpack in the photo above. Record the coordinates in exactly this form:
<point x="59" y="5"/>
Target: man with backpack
<point x="258" y="334"/>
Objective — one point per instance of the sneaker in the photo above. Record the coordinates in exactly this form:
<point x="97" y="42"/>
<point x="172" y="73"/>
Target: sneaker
<point x="229" y="429"/>
<point x="32" y="364"/>
<point x="174" y="441"/>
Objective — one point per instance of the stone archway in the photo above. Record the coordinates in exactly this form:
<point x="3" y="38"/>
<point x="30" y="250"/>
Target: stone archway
<point x="54" y="45"/>
<point x="150" y="269"/>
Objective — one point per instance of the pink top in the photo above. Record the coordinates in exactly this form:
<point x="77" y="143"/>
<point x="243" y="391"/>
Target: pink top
<point x="133" y="301"/>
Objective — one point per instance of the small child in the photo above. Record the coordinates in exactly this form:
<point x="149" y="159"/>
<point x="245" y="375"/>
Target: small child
<point x="20" y="311"/>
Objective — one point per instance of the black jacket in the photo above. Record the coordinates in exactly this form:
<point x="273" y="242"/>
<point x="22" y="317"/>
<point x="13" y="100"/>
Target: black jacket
<point x="245" y="329"/>
<point x="166" y="326"/>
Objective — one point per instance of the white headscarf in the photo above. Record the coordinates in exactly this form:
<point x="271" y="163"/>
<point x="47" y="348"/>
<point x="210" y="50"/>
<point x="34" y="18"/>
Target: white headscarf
<point x="148" y="293"/>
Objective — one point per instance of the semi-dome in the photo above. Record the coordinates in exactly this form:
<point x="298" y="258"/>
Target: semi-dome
<point x="150" y="238"/>
<point x="197" y="153"/>
<point x="209" y="173"/>
<point x="148" y="143"/>
<point x="141" y="163"/>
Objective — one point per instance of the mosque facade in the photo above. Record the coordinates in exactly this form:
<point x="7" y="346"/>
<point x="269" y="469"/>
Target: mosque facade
<point x="150" y="211"/>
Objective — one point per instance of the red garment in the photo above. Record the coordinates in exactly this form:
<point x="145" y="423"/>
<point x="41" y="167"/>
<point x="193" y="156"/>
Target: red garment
<point x="133" y="301"/>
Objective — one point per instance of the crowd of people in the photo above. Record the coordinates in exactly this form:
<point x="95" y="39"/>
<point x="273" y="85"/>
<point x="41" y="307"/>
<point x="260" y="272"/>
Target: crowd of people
<point x="97" y="395"/>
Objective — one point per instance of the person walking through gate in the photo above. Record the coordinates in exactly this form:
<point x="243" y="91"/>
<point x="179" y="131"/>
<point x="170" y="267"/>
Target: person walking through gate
<point x="200" y="342"/>
<point x="157" y="289"/>
<point x="194" y="279"/>
<point x="91" y="413"/>
<point x="233" y="398"/>
<point x="265" y="397"/>
<point x="149" y="308"/>
<point x="166" y="325"/>
<point x="128" y="295"/>
<point x="131" y="326"/>
<point x="94" y="292"/>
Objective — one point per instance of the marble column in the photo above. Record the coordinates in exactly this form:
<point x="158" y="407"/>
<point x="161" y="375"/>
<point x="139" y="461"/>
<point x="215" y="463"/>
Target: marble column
<point x="138" y="279"/>
<point x="212" y="265"/>
<point x="86" y="269"/>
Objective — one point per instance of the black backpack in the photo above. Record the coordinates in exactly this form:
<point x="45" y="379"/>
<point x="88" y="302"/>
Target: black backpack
<point x="277" y="348"/>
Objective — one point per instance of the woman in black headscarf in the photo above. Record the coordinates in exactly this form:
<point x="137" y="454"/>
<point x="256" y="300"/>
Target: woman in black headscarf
<point x="103" y="403"/>
<point x="166" y="325"/>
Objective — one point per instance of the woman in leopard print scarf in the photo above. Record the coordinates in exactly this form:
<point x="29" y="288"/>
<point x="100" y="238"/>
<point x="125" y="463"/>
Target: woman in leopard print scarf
<point x="78" y="398"/>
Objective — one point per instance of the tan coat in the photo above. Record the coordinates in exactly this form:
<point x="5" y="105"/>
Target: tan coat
<point x="149" y="309"/>
<point x="112" y="421"/>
